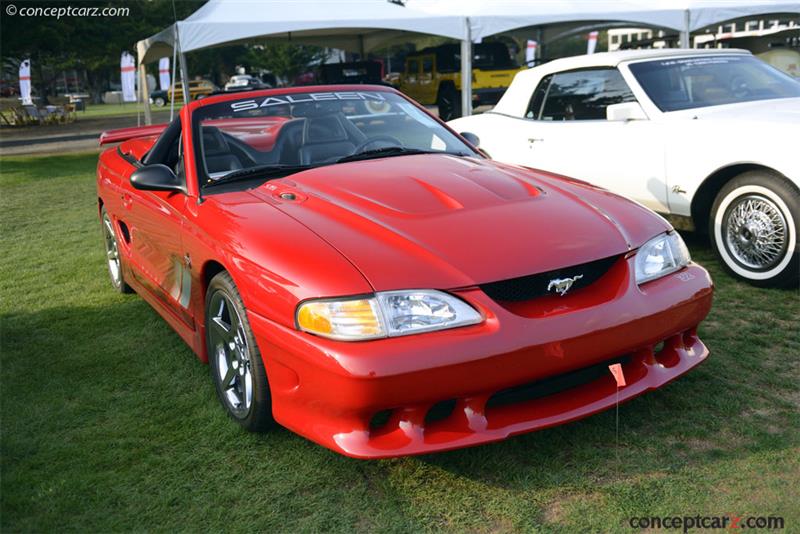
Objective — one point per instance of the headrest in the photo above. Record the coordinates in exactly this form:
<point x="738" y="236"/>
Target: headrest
<point x="213" y="142"/>
<point x="324" y="129"/>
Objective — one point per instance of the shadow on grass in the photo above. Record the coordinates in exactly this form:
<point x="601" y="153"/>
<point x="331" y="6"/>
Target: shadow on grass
<point x="665" y="430"/>
<point x="87" y="353"/>
<point x="106" y="405"/>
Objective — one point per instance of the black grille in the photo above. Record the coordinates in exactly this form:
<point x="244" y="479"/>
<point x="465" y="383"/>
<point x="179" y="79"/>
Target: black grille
<point x="553" y="384"/>
<point x="535" y="285"/>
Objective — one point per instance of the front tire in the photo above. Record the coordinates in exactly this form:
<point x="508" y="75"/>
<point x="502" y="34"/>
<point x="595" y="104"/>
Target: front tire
<point x="160" y="101"/>
<point x="233" y="356"/>
<point x="754" y="228"/>
<point x="449" y="103"/>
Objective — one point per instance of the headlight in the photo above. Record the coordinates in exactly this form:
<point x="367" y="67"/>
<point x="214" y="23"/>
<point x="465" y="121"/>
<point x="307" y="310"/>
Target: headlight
<point x="386" y="314"/>
<point x="660" y="256"/>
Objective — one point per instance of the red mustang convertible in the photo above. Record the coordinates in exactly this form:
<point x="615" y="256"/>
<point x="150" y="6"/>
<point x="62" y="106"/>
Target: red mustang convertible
<point x="355" y="271"/>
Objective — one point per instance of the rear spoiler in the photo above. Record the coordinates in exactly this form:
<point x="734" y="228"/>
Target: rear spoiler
<point x="123" y="134"/>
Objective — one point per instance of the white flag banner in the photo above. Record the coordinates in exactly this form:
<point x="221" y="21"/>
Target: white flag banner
<point x="127" y="67"/>
<point x="25" y="82"/>
<point x="530" y="51"/>
<point x="591" y="43"/>
<point x="163" y="73"/>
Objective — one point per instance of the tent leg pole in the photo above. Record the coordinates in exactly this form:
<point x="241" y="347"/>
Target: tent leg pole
<point x="686" y="33"/>
<point x="466" y="73"/>
<point x="172" y="85"/>
<point x="539" y="45"/>
<point x="145" y="94"/>
<point x="184" y="77"/>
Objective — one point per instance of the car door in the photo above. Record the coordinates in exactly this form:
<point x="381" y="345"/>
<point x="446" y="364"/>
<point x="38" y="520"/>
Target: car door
<point x="565" y="130"/>
<point x="155" y="220"/>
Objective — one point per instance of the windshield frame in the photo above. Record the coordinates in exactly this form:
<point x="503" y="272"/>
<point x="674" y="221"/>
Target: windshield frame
<point x="644" y="97"/>
<point x="197" y="117"/>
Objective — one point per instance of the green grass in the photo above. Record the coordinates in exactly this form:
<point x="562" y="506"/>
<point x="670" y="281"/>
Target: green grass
<point x="109" y="422"/>
<point x="114" y="110"/>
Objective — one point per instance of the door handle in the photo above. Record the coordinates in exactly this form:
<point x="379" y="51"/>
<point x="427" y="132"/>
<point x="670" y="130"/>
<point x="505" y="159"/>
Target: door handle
<point x="126" y="200"/>
<point x="532" y="140"/>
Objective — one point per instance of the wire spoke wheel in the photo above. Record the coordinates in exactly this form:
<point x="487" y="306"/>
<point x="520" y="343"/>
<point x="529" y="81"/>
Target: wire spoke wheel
<point x="229" y="348"/>
<point x="755" y="232"/>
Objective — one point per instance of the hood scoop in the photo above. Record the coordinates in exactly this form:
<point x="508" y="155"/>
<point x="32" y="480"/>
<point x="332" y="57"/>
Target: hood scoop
<point x="421" y="188"/>
<point x="444" y="221"/>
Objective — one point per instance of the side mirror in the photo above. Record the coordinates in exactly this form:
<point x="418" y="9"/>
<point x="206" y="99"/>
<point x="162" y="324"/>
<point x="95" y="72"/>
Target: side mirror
<point x="156" y="177"/>
<point x="627" y="111"/>
<point x="472" y="138"/>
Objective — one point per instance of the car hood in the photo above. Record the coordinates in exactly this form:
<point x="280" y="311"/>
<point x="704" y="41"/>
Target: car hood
<point x="776" y="111"/>
<point x="444" y="221"/>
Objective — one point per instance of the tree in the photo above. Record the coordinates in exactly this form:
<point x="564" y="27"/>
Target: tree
<point x="84" y="42"/>
<point x="286" y="60"/>
<point x="94" y="44"/>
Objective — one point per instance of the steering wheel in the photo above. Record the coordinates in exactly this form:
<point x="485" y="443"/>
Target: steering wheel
<point x="393" y="141"/>
<point x="739" y="87"/>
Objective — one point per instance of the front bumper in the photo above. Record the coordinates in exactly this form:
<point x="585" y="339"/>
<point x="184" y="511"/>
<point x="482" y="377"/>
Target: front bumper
<point x="334" y="392"/>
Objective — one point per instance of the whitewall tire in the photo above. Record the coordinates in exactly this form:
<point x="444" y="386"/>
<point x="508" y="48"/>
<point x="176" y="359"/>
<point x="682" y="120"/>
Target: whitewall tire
<point x="754" y="229"/>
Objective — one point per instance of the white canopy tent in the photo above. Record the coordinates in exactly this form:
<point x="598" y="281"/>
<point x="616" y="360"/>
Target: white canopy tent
<point x="355" y="25"/>
<point x="497" y="16"/>
<point x="362" y="25"/>
<point x="486" y="18"/>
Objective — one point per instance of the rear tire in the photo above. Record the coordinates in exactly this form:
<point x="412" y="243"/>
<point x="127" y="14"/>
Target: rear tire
<point x="233" y="356"/>
<point x="449" y="103"/>
<point x="113" y="256"/>
<point x="159" y="101"/>
<point x="754" y="227"/>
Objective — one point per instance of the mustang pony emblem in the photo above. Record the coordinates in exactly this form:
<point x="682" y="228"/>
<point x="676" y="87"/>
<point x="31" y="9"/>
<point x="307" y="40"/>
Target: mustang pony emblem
<point x="562" y="285"/>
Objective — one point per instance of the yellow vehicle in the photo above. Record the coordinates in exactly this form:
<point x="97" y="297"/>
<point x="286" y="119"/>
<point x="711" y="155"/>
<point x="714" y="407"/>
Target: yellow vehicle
<point x="197" y="89"/>
<point x="433" y="76"/>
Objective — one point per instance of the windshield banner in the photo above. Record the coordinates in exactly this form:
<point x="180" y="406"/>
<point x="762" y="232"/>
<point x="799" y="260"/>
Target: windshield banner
<point x="298" y="98"/>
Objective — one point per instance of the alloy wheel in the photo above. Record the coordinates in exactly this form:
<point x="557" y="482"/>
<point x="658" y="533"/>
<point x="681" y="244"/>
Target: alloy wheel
<point x="228" y="346"/>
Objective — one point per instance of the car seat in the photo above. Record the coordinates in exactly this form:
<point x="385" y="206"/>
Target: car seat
<point x="217" y="152"/>
<point x="324" y="138"/>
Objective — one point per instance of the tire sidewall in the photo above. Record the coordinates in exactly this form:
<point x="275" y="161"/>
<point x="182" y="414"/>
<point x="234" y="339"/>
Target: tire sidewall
<point x="771" y="188"/>
<point x="259" y="417"/>
<point x="119" y="285"/>
<point x="454" y="110"/>
<point x="444" y="111"/>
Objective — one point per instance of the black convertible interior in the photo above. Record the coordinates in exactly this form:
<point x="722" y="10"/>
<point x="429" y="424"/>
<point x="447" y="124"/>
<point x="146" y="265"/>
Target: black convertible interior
<point x="271" y="132"/>
<point x="314" y="135"/>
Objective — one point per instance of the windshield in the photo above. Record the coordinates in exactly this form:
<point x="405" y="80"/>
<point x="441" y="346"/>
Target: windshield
<point x="687" y="83"/>
<point x="297" y="130"/>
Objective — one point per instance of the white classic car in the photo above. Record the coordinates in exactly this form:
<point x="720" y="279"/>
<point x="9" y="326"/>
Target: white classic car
<point x="242" y="82"/>
<point x="708" y="138"/>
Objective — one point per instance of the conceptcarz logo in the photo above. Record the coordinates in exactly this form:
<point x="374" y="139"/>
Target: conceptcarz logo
<point x="707" y="522"/>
